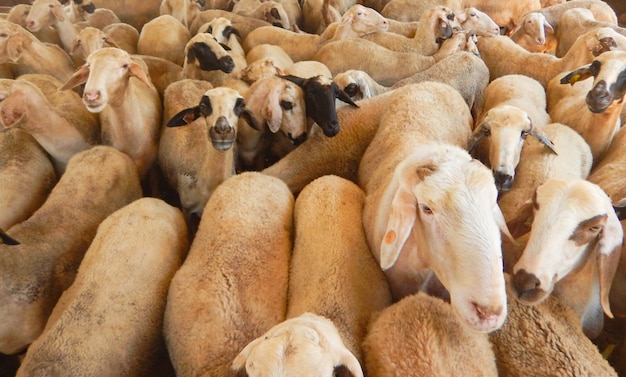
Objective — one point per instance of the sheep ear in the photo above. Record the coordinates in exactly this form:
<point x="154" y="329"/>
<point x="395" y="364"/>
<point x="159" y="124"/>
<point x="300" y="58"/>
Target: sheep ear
<point x="13" y="108"/>
<point x="108" y="40"/>
<point x="543" y="139"/>
<point x="403" y="213"/>
<point x="6" y="239"/>
<point x="79" y="77"/>
<point x="547" y="27"/>
<point x="294" y="79"/>
<point x="522" y="221"/>
<point x="239" y="363"/>
<point x="138" y="72"/>
<point x="577" y="75"/>
<point x="58" y="12"/>
<point x="445" y="30"/>
<point x="184" y="117"/>
<point x="273" y="111"/>
<point x="620" y="209"/>
<point x="609" y="248"/>
<point x="504" y="229"/>
<point x="15" y="45"/>
<point x="481" y="132"/>
<point x="344" y="96"/>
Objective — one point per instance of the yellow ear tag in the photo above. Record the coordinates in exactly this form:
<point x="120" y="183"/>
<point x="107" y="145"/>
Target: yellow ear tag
<point x="574" y="78"/>
<point x="390" y="237"/>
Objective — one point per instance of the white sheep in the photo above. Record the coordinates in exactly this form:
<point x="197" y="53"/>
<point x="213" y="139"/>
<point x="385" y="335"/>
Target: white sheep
<point x="503" y="56"/>
<point x="91" y="39"/>
<point x="412" y="10"/>
<point x="534" y="33"/>
<point x="268" y="10"/>
<point x="53" y="241"/>
<point x="325" y="323"/>
<point x="383" y="65"/>
<point x="507" y="14"/>
<point x="129" y="107"/>
<point x="601" y="10"/>
<point x="276" y="53"/>
<point x="419" y="220"/>
<point x="61" y="125"/>
<point x="473" y="19"/>
<point x="21" y="47"/>
<point x="164" y="37"/>
<point x="26" y="176"/>
<point x="356" y="22"/>
<point x="576" y="218"/>
<point x="18" y="14"/>
<point x="545" y="340"/>
<point x="421" y="336"/>
<point x="359" y="85"/>
<point x="242" y="23"/>
<point x="184" y="11"/>
<point x="514" y="107"/>
<point x="144" y="242"/>
<point x="45" y="13"/>
<point x="591" y="107"/>
<point x="232" y="287"/>
<point x="196" y="157"/>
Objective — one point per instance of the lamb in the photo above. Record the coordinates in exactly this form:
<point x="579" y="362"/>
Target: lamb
<point x="145" y="242"/>
<point x="577" y="21"/>
<point x="577" y="218"/>
<point x="164" y="37"/>
<point x="504" y="57"/>
<point x="127" y="102"/>
<point x="592" y="108"/>
<point x="26" y="176"/>
<point x="356" y="22"/>
<point x="62" y="126"/>
<point x="198" y="157"/>
<point x="91" y="39"/>
<point x="350" y="288"/>
<point x="53" y="241"/>
<point x="421" y="335"/>
<point x="232" y="286"/>
<point x="383" y="65"/>
<point x="514" y="107"/>
<point x="546" y="331"/>
<point x="19" y="46"/>
<point x="534" y="33"/>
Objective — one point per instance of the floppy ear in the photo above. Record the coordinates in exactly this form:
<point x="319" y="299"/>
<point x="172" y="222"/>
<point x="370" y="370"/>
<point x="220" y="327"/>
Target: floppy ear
<point x="58" y="12"/>
<point x="239" y="363"/>
<point x="573" y="77"/>
<point x="543" y="139"/>
<point x="481" y="132"/>
<point x="294" y="79"/>
<point x="343" y="95"/>
<point x="79" y="77"/>
<point x="13" y="108"/>
<point x="403" y="211"/>
<point x="522" y="221"/>
<point x="609" y="250"/>
<point x="6" y="239"/>
<point x="15" y="45"/>
<point x="504" y="229"/>
<point x="273" y="111"/>
<point x="184" y="117"/>
<point x="138" y="72"/>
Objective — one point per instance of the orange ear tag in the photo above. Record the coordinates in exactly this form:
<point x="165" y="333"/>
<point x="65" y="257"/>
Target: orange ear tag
<point x="390" y="237"/>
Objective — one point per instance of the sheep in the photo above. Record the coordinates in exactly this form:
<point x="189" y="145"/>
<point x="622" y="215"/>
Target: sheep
<point x="534" y="33"/>
<point x="503" y="56"/>
<point x="184" y="11"/>
<point x="545" y="340"/>
<point x="570" y="158"/>
<point x="350" y="287"/>
<point x="162" y="72"/>
<point x="269" y="51"/>
<point x="242" y="23"/>
<point x="412" y="10"/>
<point x="224" y="32"/>
<point x="504" y="15"/>
<point x="577" y="21"/>
<point x="575" y="217"/>
<point x="88" y="15"/>
<point x="297" y="346"/>
<point x="592" y="108"/>
<point x="383" y="65"/>
<point x="61" y="131"/>
<point x="358" y="84"/>
<point x="18" y="14"/>
<point x="164" y="37"/>
<point x="19" y="46"/>
<point x="132" y="12"/>
<point x="97" y="182"/>
<point x="600" y="9"/>
<point x="610" y="167"/>
<point x="198" y="157"/>
<point x="129" y="107"/>
<point x="144" y="241"/>
<point x="44" y="13"/>
<point x="232" y="286"/>
<point x="274" y="104"/>
<point x="269" y="10"/>
<point x="356" y="22"/>
<point x="514" y="107"/>
<point x="421" y="336"/>
<point x="26" y="176"/>
<point x="91" y="39"/>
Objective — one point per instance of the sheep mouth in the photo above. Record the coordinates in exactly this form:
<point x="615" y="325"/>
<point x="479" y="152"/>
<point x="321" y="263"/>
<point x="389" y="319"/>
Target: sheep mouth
<point x="222" y="141"/>
<point x="94" y="107"/>
<point x="222" y="145"/>
<point x="528" y="288"/>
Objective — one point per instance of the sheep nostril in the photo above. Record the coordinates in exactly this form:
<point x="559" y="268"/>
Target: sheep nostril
<point x="504" y="181"/>
<point x="527" y="286"/>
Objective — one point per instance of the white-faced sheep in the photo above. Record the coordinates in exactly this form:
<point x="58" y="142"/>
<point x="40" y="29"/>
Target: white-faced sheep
<point x="102" y="314"/>
<point x="91" y="39"/>
<point x="576" y="218"/>
<point x="577" y="21"/>
<point x="242" y="23"/>
<point x="601" y="10"/>
<point x="350" y="288"/>
<point x="534" y="33"/>
<point x="505" y="15"/>
<point x="269" y="10"/>
<point x="45" y="13"/>
<point x="19" y="46"/>
<point x="545" y="340"/>
<point x="54" y="239"/>
<point x="61" y="125"/>
<point x="184" y="11"/>
<point x="119" y="89"/>
<point x="412" y="202"/>
<point x="232" y="287"/>
<point x="592" y="107"/>
<point x="422" y="336"/>
<point x="26" y="176"/>
<point x="197" y="156"/>
<point x="356" y="22"/>
<point x="514" y="107"/>
<point x="85" y="13"/>
<point x="18" y="14"/>
<point x="164" y="37"/>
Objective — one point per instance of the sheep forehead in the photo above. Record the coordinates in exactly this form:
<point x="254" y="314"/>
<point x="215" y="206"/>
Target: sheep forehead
<point x="612" y="63"/>
<point x="223" y="100"/>
<point x="507" y="116"/>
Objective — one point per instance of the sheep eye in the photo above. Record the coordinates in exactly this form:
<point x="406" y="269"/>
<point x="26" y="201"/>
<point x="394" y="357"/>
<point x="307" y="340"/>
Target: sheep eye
<point x="524" y="135"/>
<point x="472" y="14"/>
<point x="4" y="35"/>
<point x="286" y="105"/>
<point x="426" y="209"/>
<point x="596" y="228"/>
<point x="125" y="66"/>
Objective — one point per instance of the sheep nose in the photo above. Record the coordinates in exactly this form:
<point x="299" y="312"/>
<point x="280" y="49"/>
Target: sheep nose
<point x="599" y="98"/>
<point x="222" y="126"/>
<point x="503" y="181"/>
<point x="226" y="64"/>
<point x="488" y="312"/>
<point x="91" y="96"/>
<point x="30" y="24"/>
<point x="331" y="129"/>
<point x="297" y="140"/>
<point x="527" y="286"/>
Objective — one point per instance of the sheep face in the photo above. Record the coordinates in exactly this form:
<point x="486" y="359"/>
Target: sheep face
<point x="89" y="40"/>
<point x="44" y="13"/>
<point x="444" y="215"/>
<point x="221" y="107"/>
<point x="535" y="26"/>
<point x="207" y="54"/>
<point x="609" y="84"/>
<point x="308" y="345"/>
<point x="364" y="20"/>
<point x="105" y="71"/>
<point x="574" y="224"/>
<point x="473" y="19"/>
<point x="442" y="20"/>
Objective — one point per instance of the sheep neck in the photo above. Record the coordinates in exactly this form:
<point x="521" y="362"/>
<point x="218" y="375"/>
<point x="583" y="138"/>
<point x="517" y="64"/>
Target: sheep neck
<point x="51" y="60"/>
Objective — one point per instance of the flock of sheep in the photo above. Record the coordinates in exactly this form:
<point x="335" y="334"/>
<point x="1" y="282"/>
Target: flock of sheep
<point x="312" y="188"/>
